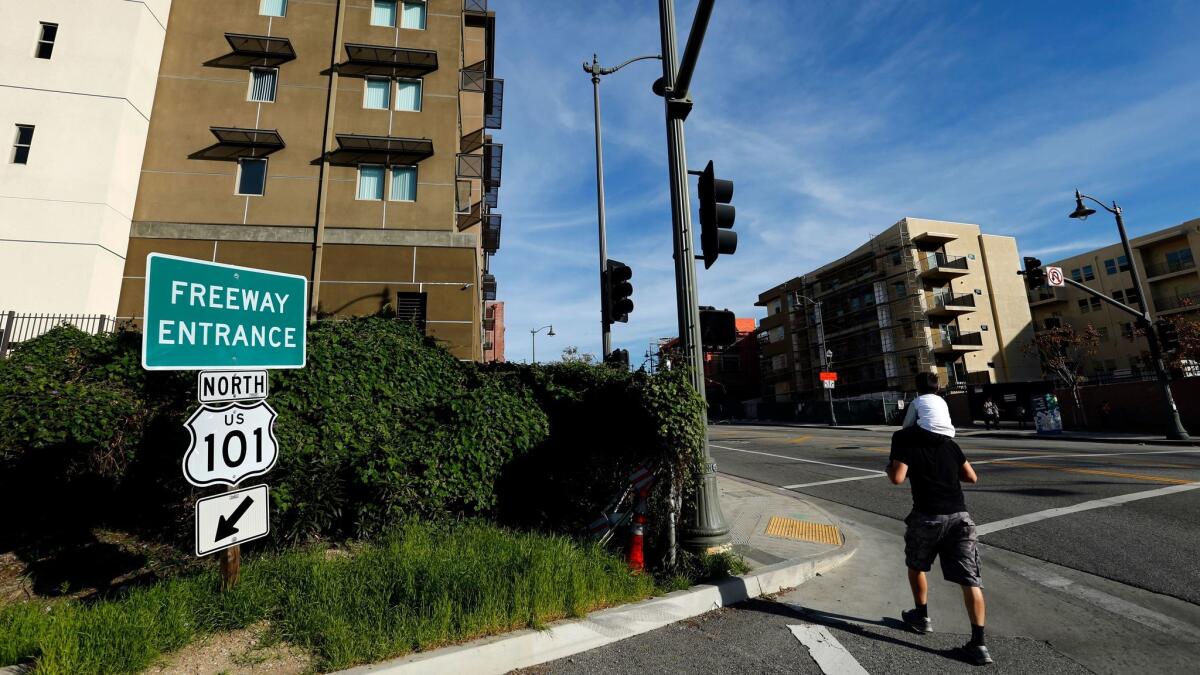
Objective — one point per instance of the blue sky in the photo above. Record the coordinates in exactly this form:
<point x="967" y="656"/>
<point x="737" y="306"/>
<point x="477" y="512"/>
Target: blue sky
<point x="835" y="119"/>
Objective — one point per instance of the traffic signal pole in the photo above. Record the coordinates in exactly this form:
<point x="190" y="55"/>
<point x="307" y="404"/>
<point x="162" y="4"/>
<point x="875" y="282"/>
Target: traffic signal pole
<point x="605" y="327"/>
<point x="704" y="527"/>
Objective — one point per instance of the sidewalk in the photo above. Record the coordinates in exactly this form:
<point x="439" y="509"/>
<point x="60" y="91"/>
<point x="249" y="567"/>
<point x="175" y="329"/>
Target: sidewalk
<point x="975" y="431"/>
<point x="791" y="555"/>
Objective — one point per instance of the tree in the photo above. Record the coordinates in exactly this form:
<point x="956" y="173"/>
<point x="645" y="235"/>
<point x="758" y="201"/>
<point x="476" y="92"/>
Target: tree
<point x="1064" y="354"/>
<point x="571" y="354"/>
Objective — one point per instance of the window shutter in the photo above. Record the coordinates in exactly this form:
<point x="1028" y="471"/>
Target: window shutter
<point x="262" y="85"/>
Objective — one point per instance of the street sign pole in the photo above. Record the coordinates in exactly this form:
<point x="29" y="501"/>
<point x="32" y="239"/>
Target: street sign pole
<point x="231" y="561"/>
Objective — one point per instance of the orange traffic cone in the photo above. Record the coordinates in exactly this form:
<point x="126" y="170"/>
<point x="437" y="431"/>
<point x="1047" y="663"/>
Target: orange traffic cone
<point x="637" y="535"/>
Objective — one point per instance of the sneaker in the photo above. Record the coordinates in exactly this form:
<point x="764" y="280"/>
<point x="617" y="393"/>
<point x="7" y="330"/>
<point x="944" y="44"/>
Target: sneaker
<point x="919" y="624"/>
<point x="976" y="654"/>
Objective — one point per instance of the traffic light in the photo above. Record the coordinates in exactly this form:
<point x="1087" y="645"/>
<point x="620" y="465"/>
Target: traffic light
<point x="619" y="358"/>
<point x="1168" y="335"/>
<point x="716" y="216"/>
<point x="1035" y="274"/>
<point x="617" y="302"/>
<point x="718" y="328"/>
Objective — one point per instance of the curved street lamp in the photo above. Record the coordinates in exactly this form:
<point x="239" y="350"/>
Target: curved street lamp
<point x="533" y="340"/>
<point x="1174" y="427"/>
<point x="595" y="70"/>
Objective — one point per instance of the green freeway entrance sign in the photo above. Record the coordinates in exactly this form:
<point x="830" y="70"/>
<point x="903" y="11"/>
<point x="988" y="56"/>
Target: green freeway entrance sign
<point x="205" y="315"/>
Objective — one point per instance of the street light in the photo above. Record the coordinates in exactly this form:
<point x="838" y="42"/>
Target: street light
<point x="827" y="353"/>
<point x="1175" y="429"/>
<point x="533" y="340"/>
<point x="596" y="71"/>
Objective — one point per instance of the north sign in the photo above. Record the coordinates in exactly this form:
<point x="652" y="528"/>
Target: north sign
<point x="230" y="444"/>
<point x="216" y="386"/>
<point x="232" y="518"/>
<point x="205" y="315"/>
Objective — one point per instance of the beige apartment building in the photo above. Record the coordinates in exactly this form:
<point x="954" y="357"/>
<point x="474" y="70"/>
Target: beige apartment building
<point x="345" y="140"/>
<point x="1166" y="261"/>
<point x="924" y="295"/>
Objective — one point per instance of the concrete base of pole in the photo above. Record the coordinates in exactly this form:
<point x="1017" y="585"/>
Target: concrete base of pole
<point x="703" y="528"/>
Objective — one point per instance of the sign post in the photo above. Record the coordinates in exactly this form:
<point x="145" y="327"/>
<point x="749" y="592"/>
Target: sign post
<point x="232" y="324"/>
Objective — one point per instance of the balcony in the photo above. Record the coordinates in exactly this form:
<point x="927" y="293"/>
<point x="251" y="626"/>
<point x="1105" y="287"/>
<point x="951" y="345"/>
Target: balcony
<point x="1046" y="296"/>
<point x="487" y="284"/>
<point x="491" y="197"/>
<point x="1163" y="270"/>
<point x="491" y="233"/>
<point x="942" y="266"/>
<point x="493" y="104"/>
<point x="959" y="342"/>
<point x="476" y="6"/>
<point x="946" y="304"/>
<point x="1182" y="301"/>
<point x="493" y="161"/>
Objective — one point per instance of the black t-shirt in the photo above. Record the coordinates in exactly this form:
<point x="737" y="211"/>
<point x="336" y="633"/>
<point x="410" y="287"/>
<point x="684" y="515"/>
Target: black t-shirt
<point x="933" y="463"/>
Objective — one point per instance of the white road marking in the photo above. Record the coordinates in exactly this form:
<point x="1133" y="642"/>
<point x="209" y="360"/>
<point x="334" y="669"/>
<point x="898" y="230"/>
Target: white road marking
<point x="831" y="482"/>
<point x="1119" y="606"/>
<point x="797" y="459"/>
<point x="1084" y="454"/>
<point x="830" y="655"/>
<point x="997" y="525"/>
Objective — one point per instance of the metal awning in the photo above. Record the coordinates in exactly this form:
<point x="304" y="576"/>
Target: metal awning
<point x="358" y="149"/>
<point x="277" y="49"/>
<point x="369" y="59"/>
<point x="233" y="143"/>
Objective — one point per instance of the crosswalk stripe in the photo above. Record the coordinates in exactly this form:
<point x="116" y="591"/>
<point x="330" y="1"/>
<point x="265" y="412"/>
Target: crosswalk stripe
<point x="830" y="655"/>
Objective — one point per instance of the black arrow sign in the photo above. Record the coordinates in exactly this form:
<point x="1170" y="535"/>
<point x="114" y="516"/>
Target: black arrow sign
<point x="228" y="527"/>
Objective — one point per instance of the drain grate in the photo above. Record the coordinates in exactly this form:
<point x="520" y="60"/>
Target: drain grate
<point x="802" y="530"/>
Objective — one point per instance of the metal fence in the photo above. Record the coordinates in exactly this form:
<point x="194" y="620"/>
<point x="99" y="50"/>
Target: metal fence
<point x="16" y="328"/>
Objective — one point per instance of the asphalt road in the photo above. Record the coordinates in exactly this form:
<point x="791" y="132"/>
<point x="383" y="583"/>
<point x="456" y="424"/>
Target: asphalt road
<point x="1151" y="543"/>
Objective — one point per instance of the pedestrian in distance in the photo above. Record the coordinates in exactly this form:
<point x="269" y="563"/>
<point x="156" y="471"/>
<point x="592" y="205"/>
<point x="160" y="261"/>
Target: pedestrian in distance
<point x="924" y="453"/>
<point x="991" y="414"/>
<point x="1022" y="414"/>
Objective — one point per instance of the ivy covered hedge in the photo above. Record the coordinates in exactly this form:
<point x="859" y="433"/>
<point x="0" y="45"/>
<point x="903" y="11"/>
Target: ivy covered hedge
<point x="382" y="424"/>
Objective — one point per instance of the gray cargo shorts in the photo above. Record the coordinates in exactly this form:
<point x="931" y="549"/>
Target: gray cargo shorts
<point x="951" y="537"/>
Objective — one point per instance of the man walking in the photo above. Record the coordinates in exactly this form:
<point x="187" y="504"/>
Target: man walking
<point x="924" y="452"/>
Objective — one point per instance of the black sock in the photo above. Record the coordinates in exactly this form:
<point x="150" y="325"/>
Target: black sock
<point x="976" y="635"/>
<point x="923" y="611"/>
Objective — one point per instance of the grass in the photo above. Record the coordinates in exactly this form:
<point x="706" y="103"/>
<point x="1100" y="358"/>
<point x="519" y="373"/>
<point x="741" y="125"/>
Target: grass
<point x="418" y="588"/>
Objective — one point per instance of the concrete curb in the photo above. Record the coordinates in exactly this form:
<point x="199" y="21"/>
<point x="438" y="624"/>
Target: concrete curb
<point x="524" y="648"/>
<point x="969" y="432"/>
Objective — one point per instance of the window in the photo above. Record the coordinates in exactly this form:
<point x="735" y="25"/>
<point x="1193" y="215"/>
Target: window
<point x="252" y="176"/>
<point x="1122" y="263"/>
<point x="1110" y="267"/>
<point x="23" y="143"/>
<point x="272" y="7"/>
<point x="408" y="95"/>
<point x="1131" y="297"/>
<point x="775" y="334"/>
<point x="1075" y="274"/>
<point x="1103" y="331"/>
<point x="1089" y="274"/>
<point x="404" y="184"/>
<point x="383" y="13"/>
<point x="1180" y="260"/>
<point x="414" y="15"/>
<point x="411" y="307"/>
<point x="906" y="327"/>
<point x="370" y="182"/>
<point x="262" y="85"/>
<point x="45" y="43"/>
<point x="1095" y="302"/>
<point x="775" y="307"/>
<point x="1118" y="296"/>
<point x="1083" y="306"/>
<point x="376" y="91"/>
<point x="900" y="289"/>
<point x="1053" y="323"/>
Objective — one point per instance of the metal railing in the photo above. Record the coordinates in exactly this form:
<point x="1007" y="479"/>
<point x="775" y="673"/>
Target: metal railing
<point x="941" y="261"/>
<point x="474" y="5"/>
<point x="488" y="286"/>
<point x="1188" y="299"/>
<point x="470" y="166"/>
<point x="962" y="339"/>
<point x="493" y="104"/>
<point x="493" y="154"/>
<point x="948" y="300"/>
<point x="473" y="80"/>
<point x="491" y="233"/>
<point x="1159" y="269"/>
<point x="16" y="328"/>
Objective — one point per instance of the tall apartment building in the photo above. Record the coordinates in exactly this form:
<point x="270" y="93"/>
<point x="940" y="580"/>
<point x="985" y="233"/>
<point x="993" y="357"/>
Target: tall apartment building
<point x="1166" y="262"/>
<point x="77" y="82"/>
<point x="348" y="141"/>
<point x="924" y="295"/>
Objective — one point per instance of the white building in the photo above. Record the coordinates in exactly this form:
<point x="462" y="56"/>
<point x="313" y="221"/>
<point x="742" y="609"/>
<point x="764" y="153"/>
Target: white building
<point x="77" y="81"/>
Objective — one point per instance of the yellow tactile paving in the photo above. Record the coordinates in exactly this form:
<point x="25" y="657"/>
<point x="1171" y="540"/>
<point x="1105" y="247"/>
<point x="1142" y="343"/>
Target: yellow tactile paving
<point x="799" y="439"/>
<point x="1094" y="472"/>
<point x="802" y="530"/>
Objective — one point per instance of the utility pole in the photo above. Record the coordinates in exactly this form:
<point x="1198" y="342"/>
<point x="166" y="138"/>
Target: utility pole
<point x="596" y="71"/>
<point x="826" y="354"/>
<point x="704" y="527"/>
